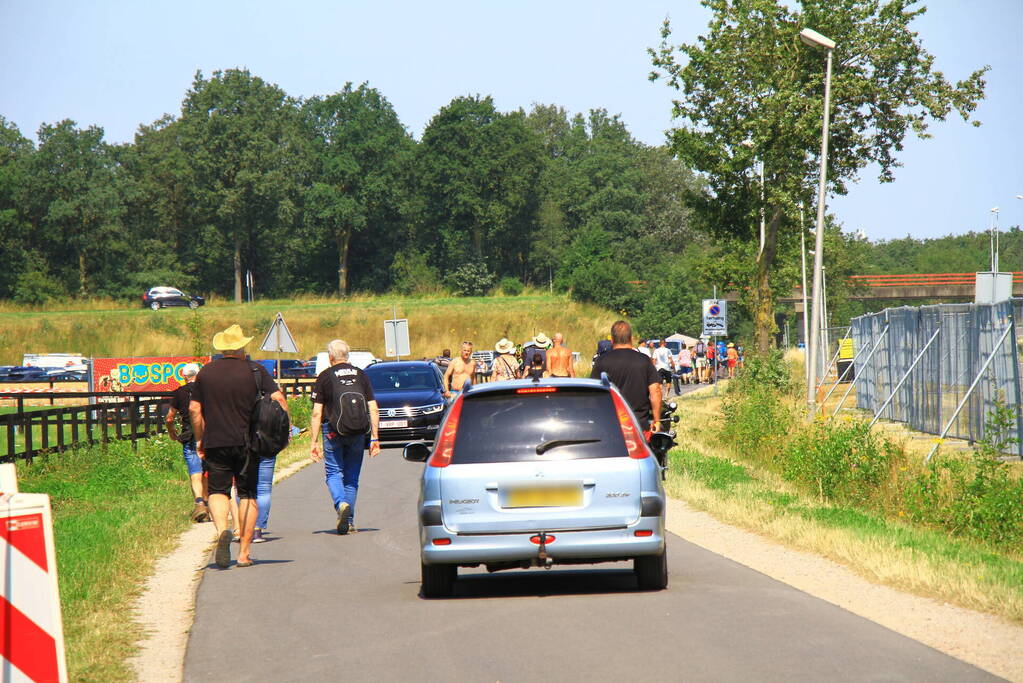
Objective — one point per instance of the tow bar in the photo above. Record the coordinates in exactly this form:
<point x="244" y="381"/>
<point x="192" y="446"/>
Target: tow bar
<point x="543" y="559"/>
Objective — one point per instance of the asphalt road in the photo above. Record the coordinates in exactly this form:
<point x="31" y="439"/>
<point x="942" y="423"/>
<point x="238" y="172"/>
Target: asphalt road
<point x="321" y="607"/>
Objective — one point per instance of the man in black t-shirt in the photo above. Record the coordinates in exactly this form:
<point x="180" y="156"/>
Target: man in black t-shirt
<point x="633" y="374"/>
<point x="345" y="411"/>
<point x="179" y="402"/>
<point x="222" y="399"/>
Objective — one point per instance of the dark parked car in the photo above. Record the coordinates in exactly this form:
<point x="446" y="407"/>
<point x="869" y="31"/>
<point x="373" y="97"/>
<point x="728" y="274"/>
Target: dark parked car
<point x="409" y="395"/>
<point x="161" y="297"/>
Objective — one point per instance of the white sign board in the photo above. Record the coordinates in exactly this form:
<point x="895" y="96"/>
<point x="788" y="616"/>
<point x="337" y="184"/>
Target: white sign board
<point x="992" y="287"/>
<point x="396" y="342"/>
<point x="715" y="318"/>
<point x="278" y="338"/>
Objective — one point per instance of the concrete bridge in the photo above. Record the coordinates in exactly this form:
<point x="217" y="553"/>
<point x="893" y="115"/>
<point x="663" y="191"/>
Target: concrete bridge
<point x="946" y="287"/>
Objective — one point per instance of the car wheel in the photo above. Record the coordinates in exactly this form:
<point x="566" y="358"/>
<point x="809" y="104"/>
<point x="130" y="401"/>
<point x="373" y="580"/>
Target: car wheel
<point x="652" y="571"/>
<point x="438" y="579"/>
<point x="193" y="304"/>
<point x="155" y="305"/>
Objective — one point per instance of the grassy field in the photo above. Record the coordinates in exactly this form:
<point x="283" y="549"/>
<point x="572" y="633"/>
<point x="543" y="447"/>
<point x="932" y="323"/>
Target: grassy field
<point x="105" y="329"/>
<point x="923" y="561"/>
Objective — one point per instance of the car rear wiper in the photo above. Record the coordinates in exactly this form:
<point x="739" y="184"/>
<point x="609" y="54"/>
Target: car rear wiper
<point x="554" y="443"/>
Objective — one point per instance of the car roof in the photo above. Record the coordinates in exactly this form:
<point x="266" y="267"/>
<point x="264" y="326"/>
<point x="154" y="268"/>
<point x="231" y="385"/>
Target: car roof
<point x="561" y="382"/>
<point x="400" y="364"/>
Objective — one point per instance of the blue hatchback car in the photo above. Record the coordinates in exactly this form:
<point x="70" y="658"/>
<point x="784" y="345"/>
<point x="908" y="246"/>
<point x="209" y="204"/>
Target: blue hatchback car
<point x="527" y="474"/>
<point x="410" y="397"/>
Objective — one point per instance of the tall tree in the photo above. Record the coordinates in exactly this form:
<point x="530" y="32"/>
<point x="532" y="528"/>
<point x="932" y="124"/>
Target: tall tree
<point x="358" y="148"/>
<point x="75" y="199"/>
<point x="15" y="153"/>
<point x="752" y="93"/>
<point x="242" y="138"/>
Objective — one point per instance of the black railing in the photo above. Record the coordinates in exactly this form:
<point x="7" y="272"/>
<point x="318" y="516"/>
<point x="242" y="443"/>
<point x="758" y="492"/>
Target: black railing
<point x="106" y="416"/>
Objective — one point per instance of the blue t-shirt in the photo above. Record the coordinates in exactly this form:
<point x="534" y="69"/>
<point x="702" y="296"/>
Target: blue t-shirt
<point x="722" y="349"/>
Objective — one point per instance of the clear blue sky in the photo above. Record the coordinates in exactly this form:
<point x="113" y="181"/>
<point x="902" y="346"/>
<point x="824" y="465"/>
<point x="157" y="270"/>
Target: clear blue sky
<point x="119" y="64"/>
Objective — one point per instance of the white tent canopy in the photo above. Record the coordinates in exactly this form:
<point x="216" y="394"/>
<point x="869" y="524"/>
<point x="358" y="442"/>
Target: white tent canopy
<point x="683" y="338"/>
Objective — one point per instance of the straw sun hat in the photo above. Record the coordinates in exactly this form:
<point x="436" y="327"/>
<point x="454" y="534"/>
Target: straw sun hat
<point x="504" y="346"/>
<point x="541" y="340"/>
<point x="230" y="339"/>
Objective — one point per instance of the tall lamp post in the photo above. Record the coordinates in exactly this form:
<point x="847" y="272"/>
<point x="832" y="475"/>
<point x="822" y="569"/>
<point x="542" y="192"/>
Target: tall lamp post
<point x="814" y="39"/>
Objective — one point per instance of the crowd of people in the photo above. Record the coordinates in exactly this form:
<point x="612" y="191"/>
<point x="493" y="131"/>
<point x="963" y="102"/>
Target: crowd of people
<point x="230" y="482"/>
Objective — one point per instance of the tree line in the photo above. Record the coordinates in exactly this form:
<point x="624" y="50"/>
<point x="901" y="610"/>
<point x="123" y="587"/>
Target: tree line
<point x="332" y="194"/>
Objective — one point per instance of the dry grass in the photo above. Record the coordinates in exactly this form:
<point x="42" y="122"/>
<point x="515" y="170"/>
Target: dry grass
<point x="435" y="323"/>
<point x="923" y="562"/>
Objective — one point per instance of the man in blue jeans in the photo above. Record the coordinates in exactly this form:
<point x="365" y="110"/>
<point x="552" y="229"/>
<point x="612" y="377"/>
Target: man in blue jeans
<point x="179" y="402"/>
<point x="345" y="411"/>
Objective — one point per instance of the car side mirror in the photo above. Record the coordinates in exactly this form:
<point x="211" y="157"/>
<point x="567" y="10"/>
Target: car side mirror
<point x="417" y="451"/>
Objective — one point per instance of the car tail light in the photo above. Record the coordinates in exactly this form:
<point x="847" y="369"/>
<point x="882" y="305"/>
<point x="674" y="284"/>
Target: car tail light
<point x="442" y="541"/>
<point x="630" y="431"/>
<point x="446" y="441"/>
<point x="536" y="390"/>
<point x="644" y="532"/>
<point x="547" y="539"/>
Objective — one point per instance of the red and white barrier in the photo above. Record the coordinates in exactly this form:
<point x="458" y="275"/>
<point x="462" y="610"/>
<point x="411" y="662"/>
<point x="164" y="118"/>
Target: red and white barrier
<point x="31" y="636"/>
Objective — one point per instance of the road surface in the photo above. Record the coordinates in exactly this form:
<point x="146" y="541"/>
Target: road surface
<point x="322" y="607"/>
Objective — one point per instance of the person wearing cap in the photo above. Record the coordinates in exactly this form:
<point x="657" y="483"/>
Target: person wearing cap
<point x="540" y="344"/>
<point x="221" y="408"/>
<point x="179" y="401"/>
<point x="505" y="365"/>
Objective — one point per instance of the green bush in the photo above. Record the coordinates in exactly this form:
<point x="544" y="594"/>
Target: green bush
<point x="471" y="279"/>
<point x="604" y="283"/>
<point x="767" y="372"/>
<point x="411" y="273"/>
<point x="34" y="287"/>
<point x="757" y="423"/>
<point x="300" y="408"/>
<point x="509" y="286"/>
<point x="841" y="462"/>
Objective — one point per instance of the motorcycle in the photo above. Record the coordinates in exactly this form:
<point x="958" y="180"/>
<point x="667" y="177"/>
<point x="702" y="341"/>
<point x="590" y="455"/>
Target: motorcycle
<point x="663" y="440"/>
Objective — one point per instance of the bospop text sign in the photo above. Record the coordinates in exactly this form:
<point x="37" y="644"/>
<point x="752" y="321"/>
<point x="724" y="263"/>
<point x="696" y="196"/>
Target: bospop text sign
<point x="141" y="374"/>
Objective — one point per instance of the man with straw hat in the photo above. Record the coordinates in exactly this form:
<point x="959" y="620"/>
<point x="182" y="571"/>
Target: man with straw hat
<point x="221" y="408"/>
<point x="505" y="366"/>
<point x="541" y="342"/>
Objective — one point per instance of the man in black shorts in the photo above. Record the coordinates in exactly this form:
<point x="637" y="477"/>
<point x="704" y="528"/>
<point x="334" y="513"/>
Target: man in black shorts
<point x="222" y="399"/>
<point x="633" y="374"/>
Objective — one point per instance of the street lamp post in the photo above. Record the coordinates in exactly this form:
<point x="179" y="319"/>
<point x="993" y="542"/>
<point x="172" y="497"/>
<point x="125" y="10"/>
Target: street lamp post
<point x="814" y="39"/>
<point x="806" y="307"/>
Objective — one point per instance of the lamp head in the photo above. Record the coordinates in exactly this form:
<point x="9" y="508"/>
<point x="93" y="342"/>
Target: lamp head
<point x="814" y="39"/>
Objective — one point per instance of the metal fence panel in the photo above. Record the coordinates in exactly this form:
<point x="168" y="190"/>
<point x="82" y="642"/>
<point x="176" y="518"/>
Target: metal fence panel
<point x="934" y="388"/>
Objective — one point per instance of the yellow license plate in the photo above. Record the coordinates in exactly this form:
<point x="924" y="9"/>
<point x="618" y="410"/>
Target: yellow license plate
<point x="544" y="496"/>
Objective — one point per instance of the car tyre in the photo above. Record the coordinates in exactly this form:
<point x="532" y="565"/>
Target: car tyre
<point x="193" y="304"/>
<point x="155" y="305"/>
<point x="652" y="571"/>
<point x="438" y="579"/>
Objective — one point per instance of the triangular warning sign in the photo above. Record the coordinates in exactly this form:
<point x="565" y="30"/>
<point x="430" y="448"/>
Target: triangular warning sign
<point x="278" y="338"/>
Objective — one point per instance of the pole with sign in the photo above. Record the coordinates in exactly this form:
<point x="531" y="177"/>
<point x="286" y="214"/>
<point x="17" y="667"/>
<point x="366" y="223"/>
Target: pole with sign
<point x="715" y="324"/>
<point x="278" y="338"/>
<point x="396" y="343"/>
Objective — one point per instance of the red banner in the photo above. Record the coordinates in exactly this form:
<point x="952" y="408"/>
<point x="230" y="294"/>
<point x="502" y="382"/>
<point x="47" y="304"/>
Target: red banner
<point x="141" y="374"/>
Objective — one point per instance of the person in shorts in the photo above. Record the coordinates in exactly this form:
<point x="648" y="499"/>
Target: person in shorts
<point x="179" y="401"/>
<point x="225" y="392"/>
<point x="700" y="352"/>
<point x="663" y="363"/>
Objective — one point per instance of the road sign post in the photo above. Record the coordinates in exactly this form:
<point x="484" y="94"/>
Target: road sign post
<point x="715" y="324"/>
<point x="278" y="338"/>
<point x="396" y="343"/>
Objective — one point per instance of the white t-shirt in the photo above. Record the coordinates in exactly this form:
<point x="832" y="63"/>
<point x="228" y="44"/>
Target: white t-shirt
<point x="662" y="358"/>
<point x="645" y="350"/>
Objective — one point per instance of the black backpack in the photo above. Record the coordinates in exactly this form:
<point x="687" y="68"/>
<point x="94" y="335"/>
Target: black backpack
<point x="269" y="426"/>
<point x="352" y="411"/>
<point x="185" y="434"/>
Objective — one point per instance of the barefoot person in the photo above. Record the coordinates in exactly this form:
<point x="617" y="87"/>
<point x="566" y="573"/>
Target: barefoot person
<point x="559" y="358"/>
<point x="459" y="371"/>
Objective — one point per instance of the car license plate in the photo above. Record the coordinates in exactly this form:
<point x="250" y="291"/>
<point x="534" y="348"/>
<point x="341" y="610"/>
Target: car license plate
<point x="390" y="424"/>
<point x="566" y="495"/>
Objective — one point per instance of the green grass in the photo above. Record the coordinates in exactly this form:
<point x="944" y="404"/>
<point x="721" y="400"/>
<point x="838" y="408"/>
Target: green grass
<point x="115" y="510"/>
<point x="985" y="578"/>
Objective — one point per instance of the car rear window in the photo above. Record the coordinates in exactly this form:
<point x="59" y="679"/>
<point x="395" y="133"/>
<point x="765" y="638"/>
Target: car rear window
<point x="509" y="427"/>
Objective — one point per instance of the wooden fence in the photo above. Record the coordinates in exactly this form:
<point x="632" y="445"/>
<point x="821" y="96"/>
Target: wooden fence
<point x="29" y="431"/>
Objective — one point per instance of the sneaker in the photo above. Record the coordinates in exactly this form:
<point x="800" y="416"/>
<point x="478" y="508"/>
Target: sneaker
<point x="200" y="513"/>
<point x="257" y="536"/>
<point x="344" y="517"/>
<point x="222" y="556"/>
<point x="352" y="529"/>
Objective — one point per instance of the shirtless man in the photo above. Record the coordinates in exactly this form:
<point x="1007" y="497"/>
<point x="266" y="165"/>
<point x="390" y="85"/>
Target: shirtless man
<point x="460" y="370"/>
<point x="559" y="358"/>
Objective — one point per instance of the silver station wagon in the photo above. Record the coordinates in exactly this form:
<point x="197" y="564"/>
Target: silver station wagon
<point x="533" y="474"/>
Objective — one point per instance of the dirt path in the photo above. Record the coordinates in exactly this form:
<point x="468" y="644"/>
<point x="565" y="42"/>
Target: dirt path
<point x="166" y="608"/>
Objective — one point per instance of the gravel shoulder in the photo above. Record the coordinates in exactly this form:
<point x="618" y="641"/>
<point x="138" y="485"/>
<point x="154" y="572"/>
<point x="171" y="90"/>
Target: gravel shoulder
<point x="166" y="608"/>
